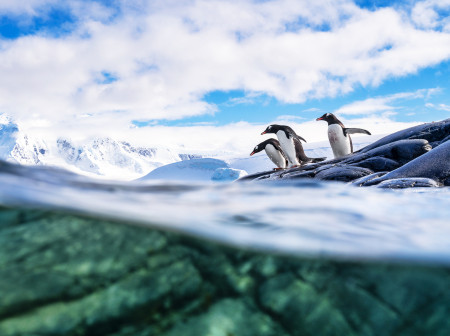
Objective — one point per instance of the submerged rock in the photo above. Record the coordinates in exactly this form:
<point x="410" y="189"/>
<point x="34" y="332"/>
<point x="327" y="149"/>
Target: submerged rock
<point x="63" y="274"/>
<point x="418" y="152"/>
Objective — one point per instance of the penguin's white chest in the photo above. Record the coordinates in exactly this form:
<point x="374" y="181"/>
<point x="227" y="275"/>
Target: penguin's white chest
<point x="288" y="147"/>
<point x="340" y="144"/>
<point x="275" y="155"/>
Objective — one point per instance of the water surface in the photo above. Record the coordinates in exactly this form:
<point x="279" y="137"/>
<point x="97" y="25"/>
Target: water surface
<point x="302" y="218"/>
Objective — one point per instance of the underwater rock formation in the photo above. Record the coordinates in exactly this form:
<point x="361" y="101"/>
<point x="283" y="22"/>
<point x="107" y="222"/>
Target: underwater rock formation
<point x="64" y="274"/>
<point x="417" y="153"/>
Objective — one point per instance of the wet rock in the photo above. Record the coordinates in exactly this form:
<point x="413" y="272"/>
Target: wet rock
<point x="228" y="317"/>
<point x="297" y="175"/>
<point x="362" y="180"/>
<point x="401" y="151"/>
<point x="301" y="308"/>
<point x="378" y="164"/>
<point x="401" y="183"/>
<point x="63" y="274"/>
<point x="433" y="165"/>
<point x="342" y="173"/>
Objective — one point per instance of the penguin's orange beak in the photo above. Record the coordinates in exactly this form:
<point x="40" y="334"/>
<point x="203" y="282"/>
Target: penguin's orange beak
<point x="319" y="119"/>
<point x="252" y="153"/>
<point x="263" y="133"/>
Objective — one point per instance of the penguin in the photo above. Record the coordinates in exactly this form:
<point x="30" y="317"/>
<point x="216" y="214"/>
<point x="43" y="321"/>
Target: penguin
<point x="339" y="135"/>
<point x="291" y="145"/>
<point x="273" y="151"/>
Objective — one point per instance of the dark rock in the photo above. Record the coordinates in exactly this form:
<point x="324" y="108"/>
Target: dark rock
<point x="362" y="180"/>
<point x="446" y="182"/>
<point x="251" y="177"/>
<point x="433" y="165"/>
<point x="400" y="151"/>
<point x="377" y="164"/>
<point x="342" y="173"/>
<point x="401" y="183"/>
<point x="301" y="174"/>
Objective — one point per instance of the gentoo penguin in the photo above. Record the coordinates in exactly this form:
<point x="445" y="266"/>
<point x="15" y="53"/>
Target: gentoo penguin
<point x="339" y="135"/>
<point x="273" y="151"/>
<point x="291" y="145"/>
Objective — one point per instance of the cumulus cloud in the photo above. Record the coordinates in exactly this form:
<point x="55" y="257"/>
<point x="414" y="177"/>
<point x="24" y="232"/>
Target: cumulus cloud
<point x="427" y="14"/>
<point x="147" y="60"/>
<point x="29" y="7"/>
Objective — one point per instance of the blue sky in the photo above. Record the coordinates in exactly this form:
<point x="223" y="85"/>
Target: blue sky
<point x="192" y="63"/>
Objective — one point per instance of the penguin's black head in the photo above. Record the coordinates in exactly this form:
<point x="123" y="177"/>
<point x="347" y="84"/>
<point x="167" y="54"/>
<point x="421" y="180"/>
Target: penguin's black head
<point x="330" y="118"/>
<point x="272" y="129"/>
<point x="257" y="149"/>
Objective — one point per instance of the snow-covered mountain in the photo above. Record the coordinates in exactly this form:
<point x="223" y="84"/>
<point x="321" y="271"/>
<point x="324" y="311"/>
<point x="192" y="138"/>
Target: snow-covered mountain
<point x="102" y="157"/>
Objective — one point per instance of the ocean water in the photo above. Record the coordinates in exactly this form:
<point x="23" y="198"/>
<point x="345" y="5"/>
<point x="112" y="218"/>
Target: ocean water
<point x="296" y="218"/>
<point x="85" y="257"/>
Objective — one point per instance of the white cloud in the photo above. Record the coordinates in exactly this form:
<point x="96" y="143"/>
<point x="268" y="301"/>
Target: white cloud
<point x="288" y="118"/>
<point x="442" y="107"/>
<point x="312" y="109"/>
<point x="383" y="104"/>
<point x="166" y="55"/>
<point x="29" y="7"/>
<point x="426" y="13"/>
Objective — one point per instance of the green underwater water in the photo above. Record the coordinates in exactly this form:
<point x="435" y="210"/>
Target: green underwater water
<point x="66" y="274"/>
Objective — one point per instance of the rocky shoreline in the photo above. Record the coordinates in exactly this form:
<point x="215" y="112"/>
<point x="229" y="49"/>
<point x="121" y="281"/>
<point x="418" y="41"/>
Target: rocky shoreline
<point x="415" y="157"/>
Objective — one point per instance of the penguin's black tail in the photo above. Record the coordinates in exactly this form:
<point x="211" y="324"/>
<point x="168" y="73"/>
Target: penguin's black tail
<point x="314" y="160"/>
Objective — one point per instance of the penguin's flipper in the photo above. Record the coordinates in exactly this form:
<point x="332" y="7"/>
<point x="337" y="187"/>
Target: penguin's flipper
<point x="355" y="130"/>
<point x="298" y="137"/>
<point x="290" y="132"/>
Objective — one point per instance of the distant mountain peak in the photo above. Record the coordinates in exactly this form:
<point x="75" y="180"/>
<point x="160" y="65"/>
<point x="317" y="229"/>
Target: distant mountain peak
<point x="102" y="156"/>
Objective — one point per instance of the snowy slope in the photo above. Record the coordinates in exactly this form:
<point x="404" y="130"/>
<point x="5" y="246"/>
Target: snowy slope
<point x="114" y="159"/>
